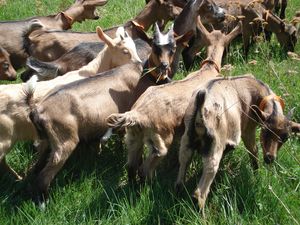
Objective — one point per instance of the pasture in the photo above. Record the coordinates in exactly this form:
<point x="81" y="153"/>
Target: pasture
<point x="92" y="187"/>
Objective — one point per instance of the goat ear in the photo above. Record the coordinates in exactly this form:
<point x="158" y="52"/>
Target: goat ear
<point x="65" y="18"/>
<point x="104" y="37"/>
<point x="142" y="34"/>
<point x="120" y="33"/>
<point x="235" y="32"/>
<point x="260" y="114"/>
<point x="95" y="3"/>
<point x="295" y="127"/>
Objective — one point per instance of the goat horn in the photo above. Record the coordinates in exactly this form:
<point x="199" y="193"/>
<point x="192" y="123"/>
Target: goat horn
<point x="202" y="27"/>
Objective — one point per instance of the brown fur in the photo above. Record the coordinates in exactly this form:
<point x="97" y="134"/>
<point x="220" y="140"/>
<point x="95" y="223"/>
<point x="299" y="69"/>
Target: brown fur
<point x="15" y="124"/>
<point x="85" y="108"/>
<point x="220" y="114"/>
<point x="7" y="72"/>
<point x="254" y="15"/>
<point x="49" y="45"/>
<point x="158" y="113"/>
<point x="79" y="11"/>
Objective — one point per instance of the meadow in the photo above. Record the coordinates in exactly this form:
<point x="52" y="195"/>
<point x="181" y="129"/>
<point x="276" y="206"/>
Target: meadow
<point x="92" y="187"/>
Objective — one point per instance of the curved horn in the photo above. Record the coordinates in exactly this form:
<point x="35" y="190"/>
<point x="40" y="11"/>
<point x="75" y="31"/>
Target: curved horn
<point x="202" y="28"/>
<point x="236" y="31"/>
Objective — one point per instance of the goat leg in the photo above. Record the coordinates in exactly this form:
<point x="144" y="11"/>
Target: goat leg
<point x="185" y="156"/>
<point x="210" y="168"/>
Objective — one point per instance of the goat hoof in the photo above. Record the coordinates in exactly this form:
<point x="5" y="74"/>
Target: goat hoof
<point x="178" y="189"/>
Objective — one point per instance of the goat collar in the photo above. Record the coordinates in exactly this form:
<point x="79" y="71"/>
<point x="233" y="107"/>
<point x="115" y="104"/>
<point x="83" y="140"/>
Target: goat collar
<point x="137" y="24"/>
<point x="206" y="61"/>
<point x="267" y="98"/>
<point x="150" y="69"/>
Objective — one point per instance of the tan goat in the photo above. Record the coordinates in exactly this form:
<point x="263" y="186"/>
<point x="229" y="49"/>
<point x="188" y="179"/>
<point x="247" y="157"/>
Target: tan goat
<point x="48" y="45"/>
<point x="87" y="103"/>
<point x="15" y="124"/>
<point x="158" y="113"/>
<point x="12" y="39"/>
<point x="223" y="112"/>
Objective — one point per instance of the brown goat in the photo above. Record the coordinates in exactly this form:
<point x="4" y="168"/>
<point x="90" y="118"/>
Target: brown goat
<point x="79" y="11"/>
<point x="158" y="113"/>
<point x="7" y="72"/>
<point x="14" y="120"/>
<point x="223" y="112"/>
<point x="210" y="13"/>
<point x="255" y="18"/>
<point x="48" y="45"/>
<point x="86" y="106"/>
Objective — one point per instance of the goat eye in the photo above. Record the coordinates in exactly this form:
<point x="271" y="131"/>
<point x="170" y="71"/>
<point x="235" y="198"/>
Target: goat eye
<point x="5" y="66"/>
<point x="125" y="51"/>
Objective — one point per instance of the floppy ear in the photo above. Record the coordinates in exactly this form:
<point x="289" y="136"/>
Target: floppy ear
<point x="260" y="114"/>
<point x="104" y="37"/>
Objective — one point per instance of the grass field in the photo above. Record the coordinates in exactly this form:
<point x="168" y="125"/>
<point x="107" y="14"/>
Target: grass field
<point x="92" y="188"/>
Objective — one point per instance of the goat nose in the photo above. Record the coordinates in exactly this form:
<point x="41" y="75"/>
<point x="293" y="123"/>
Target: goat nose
<point x="164" y="65"/>
<point x="269" y="158"/>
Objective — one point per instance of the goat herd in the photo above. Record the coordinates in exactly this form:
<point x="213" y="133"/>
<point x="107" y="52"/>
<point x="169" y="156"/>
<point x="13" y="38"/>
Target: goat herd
<point x="92" y="84"/>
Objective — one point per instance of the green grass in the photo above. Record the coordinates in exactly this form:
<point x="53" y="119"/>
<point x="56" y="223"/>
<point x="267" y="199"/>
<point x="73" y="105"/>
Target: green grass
<point x="92" y="188"/>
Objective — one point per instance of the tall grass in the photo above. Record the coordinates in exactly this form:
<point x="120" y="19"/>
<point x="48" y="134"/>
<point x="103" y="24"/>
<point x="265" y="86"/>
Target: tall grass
<point x="92" y="188"/>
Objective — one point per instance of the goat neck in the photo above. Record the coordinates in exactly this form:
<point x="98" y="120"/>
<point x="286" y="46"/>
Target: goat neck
<point x="149" y="15"/>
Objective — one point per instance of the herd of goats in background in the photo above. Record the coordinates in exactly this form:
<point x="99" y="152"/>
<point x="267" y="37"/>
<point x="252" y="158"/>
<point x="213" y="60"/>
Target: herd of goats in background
<point x="83" y="86"/>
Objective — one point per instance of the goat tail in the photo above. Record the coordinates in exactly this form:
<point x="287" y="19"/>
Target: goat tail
<point x="33" y="25"/>
<point x="44" y="70"/>
<point x="29" y="91"/>
<point x="121" y="120"/>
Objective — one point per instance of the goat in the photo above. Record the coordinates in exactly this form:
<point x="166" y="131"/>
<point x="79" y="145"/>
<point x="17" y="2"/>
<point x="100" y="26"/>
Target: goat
<point x="84" y="111"/>
<point x="79" y="11"/>
<point x="210" y="13"/>
<point x="14" y="120"/>
<point x="7" y="72"/>
<point x="255" y="16"/>
<point x="220" y="114"/>
<point x="157" y="115"/>
<point x="74" y="59"/>
<point x="48" y="45"/>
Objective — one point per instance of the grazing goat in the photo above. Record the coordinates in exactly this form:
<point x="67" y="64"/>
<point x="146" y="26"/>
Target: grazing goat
<point x="74" y="59"/>
<point x="14" y="120"/>
<point x="87" y="103"/>
<point x="79" y="11"/>
<point x="7" y="72"/>
<point x="48" y="45"/>
<point x="158" y="113"/>
<point x="255" y="17"/>
<point x="223" y="112"/>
